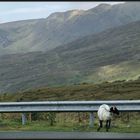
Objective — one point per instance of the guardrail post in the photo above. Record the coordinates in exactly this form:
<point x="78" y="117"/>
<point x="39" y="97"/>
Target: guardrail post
<point x="23" y="118"/>
<point x="91" y="121"/>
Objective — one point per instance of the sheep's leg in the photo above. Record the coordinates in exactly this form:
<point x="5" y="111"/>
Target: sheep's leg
<point x="100" y="126"/>
<point x="107" y="125"/>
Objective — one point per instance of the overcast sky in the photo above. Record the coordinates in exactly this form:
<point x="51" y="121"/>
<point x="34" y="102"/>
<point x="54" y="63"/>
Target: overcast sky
<point x="13" y="11"/>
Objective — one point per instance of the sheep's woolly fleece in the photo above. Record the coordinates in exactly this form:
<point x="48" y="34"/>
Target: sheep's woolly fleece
<point x="104" y="112"/>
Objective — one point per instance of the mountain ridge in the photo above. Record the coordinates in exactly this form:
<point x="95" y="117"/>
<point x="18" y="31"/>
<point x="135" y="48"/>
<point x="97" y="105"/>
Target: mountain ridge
<point x="46" y="33"/>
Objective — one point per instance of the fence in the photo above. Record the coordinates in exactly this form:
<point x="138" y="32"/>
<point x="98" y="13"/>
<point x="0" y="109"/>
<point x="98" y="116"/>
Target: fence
<point x="67" y="106"/>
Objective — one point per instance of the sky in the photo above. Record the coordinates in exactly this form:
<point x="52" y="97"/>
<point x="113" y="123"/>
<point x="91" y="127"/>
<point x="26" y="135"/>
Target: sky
<point x="14" y="11"/>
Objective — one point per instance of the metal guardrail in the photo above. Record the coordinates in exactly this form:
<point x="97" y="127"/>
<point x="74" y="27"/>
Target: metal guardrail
<point x="68" y="106"/>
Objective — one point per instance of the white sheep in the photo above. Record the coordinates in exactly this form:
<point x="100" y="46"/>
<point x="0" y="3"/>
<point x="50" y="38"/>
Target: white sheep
<point x="104" y="114"/>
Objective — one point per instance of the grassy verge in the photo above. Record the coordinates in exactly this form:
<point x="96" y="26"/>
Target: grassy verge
<point x="118" y="125"/>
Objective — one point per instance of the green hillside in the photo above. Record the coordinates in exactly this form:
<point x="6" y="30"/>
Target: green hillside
<point x="108" y="56"/>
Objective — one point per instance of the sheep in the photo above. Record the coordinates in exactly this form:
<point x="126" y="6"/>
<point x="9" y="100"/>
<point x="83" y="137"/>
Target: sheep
<point x="104" y="114"/>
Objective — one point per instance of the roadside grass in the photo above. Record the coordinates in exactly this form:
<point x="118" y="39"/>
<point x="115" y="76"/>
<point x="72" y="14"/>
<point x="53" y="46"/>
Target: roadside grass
<point x="131" y="126"/>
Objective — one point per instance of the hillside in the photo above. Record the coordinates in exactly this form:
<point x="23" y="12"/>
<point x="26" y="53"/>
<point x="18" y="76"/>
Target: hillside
<point x="107" y="56"/>
<point x="63" y="27"/>
<point x="119" y="90"/>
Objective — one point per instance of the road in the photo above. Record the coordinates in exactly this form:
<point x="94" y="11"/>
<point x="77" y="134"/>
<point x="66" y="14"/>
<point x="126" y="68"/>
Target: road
<point x="66" y="135"/>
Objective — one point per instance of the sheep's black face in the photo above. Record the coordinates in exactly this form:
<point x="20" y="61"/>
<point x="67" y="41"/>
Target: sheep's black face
<point x="114" y="110"/>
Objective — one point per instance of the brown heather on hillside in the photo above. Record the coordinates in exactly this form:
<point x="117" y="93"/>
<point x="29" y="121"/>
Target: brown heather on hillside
<point x="119" y="90"/>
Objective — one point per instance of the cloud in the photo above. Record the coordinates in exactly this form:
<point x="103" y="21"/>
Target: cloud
<point x="54" y="6"/>
<point x="24" y="11"/>
<point x="79" y="5"/>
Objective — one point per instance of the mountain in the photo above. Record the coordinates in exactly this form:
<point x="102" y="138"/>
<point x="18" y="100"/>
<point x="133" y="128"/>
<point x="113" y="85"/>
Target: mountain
<point x="63" y="27"/>
<point x="113" y="54"/>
